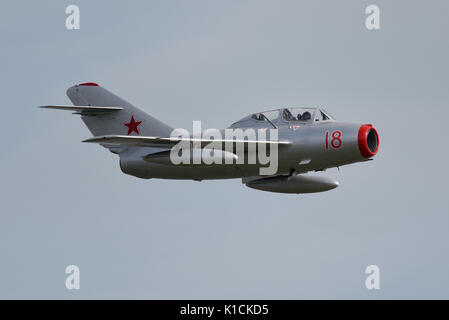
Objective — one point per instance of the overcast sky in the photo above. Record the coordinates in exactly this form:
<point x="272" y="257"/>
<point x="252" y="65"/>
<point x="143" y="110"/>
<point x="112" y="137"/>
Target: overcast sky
<point x="64" y="202"/>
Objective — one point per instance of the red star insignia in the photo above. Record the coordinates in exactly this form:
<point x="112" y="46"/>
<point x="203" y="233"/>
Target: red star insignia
<point x="132" y="125"/>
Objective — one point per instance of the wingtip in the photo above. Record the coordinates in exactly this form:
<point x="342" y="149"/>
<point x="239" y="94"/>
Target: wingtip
<point x="95" y="139"/>
<point x="89" y="140"/>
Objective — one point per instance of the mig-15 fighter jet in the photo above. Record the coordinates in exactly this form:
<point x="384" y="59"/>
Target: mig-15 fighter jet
<point x="270" y="150"/>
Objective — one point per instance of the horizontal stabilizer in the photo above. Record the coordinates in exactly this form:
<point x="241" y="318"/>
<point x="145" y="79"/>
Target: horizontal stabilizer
<point x="168" y="142"/>
<point x="86" y="110"/>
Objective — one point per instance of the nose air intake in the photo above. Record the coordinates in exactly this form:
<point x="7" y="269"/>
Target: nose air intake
<point x="368" y="141"/>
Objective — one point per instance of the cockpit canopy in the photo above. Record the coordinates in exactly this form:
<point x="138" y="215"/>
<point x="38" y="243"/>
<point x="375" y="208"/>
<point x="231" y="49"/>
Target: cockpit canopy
<point x="294" y="115"/>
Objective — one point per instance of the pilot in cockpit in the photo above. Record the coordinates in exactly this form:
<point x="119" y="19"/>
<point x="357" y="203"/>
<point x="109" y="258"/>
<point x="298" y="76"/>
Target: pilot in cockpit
<point x="306" y="116"/>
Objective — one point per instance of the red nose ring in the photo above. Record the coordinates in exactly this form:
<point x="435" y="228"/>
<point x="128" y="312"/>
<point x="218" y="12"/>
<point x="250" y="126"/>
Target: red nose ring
<point x="368" y="140"/>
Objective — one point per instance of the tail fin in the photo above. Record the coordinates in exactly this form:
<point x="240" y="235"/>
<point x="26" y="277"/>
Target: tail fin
<point x="127" y="120"/>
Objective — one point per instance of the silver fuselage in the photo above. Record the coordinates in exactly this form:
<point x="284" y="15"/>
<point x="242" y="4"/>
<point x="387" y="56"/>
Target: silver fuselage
<point x="307" y="152"/>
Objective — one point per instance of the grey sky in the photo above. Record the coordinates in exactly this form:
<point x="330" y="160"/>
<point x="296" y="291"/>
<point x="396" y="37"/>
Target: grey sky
<point x="64" y="202"/>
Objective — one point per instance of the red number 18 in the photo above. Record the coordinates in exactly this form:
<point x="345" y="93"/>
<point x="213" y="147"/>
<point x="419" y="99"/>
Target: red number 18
<point x="335" y="141"/>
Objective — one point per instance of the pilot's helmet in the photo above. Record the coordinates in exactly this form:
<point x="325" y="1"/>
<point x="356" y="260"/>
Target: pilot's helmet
<point x="306" y="116"/>
<point x="299" y="116"/>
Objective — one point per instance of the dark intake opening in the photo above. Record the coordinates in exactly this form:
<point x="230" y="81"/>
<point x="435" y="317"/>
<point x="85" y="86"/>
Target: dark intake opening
<point x="372" y="140"/>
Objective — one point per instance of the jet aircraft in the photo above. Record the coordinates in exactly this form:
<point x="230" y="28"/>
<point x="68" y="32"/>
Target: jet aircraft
<point x="306" y="139"/>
